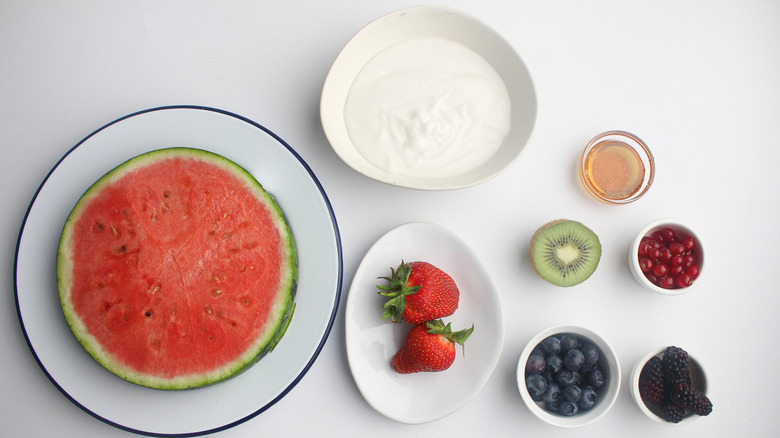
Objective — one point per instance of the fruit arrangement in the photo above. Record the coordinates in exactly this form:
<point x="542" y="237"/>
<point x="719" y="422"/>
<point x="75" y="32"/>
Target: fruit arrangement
<point x="669" y="260"/>
<point x="665" y="381"/>
<point x="565" y="252"/>
<point x="565" y="374"/>
<point x="421" y="294"/>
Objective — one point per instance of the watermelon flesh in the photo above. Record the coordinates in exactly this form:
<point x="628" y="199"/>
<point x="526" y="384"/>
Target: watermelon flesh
<point x="177" y="270"/>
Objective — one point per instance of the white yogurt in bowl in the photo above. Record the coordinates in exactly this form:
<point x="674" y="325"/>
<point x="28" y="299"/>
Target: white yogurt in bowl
<point x="427" y="105"/>
<point x="428" y="98"/>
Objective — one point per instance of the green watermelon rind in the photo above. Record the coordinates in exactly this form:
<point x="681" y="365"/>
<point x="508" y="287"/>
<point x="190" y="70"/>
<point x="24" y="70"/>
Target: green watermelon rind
<point x="266" y="342"/>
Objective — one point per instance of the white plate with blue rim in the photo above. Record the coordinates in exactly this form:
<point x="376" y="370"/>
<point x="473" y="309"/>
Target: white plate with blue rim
<point x="147" y="411"/>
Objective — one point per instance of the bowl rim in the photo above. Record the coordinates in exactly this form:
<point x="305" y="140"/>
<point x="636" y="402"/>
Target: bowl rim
<point x="449" y="22"/>
<point x="611" y="390"/>
<point x="633" y="259"/>
<point x="636" y="396"/>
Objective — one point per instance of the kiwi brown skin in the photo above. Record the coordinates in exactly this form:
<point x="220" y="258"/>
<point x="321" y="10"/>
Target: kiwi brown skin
<point x="533" y="245"/>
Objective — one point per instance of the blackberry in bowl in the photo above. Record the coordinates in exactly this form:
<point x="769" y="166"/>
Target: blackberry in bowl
<point x="579" y="380"/>
<point x="670" y="386"/>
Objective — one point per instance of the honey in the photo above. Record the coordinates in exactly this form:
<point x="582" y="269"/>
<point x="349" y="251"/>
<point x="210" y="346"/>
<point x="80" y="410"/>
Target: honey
<point x="614" y="170"/>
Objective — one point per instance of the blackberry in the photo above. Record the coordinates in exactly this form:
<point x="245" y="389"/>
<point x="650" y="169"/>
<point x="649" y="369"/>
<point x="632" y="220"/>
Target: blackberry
<point x="671" y="412"/>
<point x="691" y="399"/>
<point x="675" y="368"/>
<point x="651" y="381"/>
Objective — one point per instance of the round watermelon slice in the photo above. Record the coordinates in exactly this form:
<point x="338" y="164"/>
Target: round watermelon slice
<point x="177" y="270"/>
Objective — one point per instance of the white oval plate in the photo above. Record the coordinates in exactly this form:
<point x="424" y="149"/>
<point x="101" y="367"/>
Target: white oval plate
<point x="190" y="412"/>
<point x="429" y="22"/>
<point x="372" y="341"/>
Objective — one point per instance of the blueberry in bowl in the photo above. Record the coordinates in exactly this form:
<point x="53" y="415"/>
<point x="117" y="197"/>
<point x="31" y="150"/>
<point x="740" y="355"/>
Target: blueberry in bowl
<point x="568" y="376"/>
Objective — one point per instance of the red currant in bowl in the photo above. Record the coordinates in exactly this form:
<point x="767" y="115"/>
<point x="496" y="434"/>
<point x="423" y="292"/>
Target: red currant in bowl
<point x="667" y="257"/>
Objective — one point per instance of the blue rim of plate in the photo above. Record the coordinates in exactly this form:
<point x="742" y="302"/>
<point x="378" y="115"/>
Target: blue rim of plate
<point x="308" y="364"/>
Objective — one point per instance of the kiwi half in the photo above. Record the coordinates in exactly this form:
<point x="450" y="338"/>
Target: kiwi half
<point x="565" y="252"/>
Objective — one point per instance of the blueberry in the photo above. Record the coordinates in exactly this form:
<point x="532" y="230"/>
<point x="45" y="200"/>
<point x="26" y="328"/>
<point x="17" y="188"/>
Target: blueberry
<point x="568" y="408"/>
<point x="591" y="353"/>
<point x="552" y="394"/>
<point x="567" y="377"/>
<point x="573" y="359"/>
<point x="596" y="378"/>
<point x="568" y="341"/>
<point x="588" y="398"/>
<point x="554" y="363"/>
<point x="554" y="407"/>
<point x="551" y="345"/>
<point x="535" y="364"/>
<point x="571" y="393"/>
<point x="536" y="386"/>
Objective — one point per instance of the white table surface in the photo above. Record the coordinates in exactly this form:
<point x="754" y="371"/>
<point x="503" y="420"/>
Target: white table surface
<point x="698" y="80"/>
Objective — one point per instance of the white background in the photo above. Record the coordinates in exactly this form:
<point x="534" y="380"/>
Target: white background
<point x="699" y="81"/>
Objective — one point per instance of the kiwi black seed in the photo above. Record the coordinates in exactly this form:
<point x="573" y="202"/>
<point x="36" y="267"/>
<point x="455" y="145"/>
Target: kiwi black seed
<point x="565" y="252"/>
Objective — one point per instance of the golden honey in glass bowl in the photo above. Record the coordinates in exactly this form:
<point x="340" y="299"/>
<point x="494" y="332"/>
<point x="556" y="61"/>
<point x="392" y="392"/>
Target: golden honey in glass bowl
<point x="616" y="167"/>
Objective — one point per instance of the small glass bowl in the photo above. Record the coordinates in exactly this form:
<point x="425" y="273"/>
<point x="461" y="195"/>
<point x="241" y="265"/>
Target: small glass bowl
<point x="683" y="230"/>
<point x="653" y="411"/>
<point x="642" y="158"/>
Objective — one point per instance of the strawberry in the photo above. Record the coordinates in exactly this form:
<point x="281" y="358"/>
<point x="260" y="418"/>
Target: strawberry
<point x="419" y="292"/>
<point x="429" y="346"/>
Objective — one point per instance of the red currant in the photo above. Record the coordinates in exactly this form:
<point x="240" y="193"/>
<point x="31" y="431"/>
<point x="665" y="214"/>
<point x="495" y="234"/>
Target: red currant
<point x="645" y="264"/>
<point x="689" y="243"/>
<point x="676" y="270"/>
<point x="677" y="261"/>
<point x="683" y="280"/>
<point x="666" y="254"/>
<point x="666" y="282"/>
<point x="676" y="248"/>
<point x="693" y="271"/>
<point x="660" y="270"/>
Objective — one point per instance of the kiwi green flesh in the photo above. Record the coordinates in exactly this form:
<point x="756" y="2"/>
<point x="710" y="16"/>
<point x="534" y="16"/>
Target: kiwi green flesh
<point x="565" y="252"/>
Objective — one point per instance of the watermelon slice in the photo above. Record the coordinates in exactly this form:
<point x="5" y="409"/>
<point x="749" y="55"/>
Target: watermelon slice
<point x="177" y="270"/>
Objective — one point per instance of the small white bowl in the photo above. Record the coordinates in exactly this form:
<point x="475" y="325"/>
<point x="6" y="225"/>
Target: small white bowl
<point x="682" y="229"/>
<point x="421" y="22"/>
<point x="653" y="411"/>
<point x="607" y="394"/>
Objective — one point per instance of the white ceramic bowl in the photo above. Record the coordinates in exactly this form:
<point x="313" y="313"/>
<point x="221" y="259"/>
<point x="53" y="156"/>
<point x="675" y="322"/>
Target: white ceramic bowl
<point x="683" y="230"/>
<point x="607" y="394"/>
<point x="653" y="411"/>
<point x="429" y="22"/>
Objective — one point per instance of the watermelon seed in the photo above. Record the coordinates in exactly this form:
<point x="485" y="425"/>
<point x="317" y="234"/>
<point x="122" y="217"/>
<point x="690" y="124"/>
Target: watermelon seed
<point x="208" y="310"/>
<point x="216" y="292"/>
<point x="122" y="248"/>
<point x="166" y="194"/>
<point x="115" y="231"/>
<point x="148" y="313"/>
<point x="164" y="207"/>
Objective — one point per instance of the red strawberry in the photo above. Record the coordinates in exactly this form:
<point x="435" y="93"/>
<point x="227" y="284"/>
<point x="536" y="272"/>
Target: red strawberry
<point x="429" y="347"/>
<point x="419" y="292"/>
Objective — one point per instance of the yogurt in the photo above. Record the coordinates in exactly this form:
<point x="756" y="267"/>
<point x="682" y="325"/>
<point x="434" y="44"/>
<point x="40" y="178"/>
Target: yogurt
<point x="427" y="108"/>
